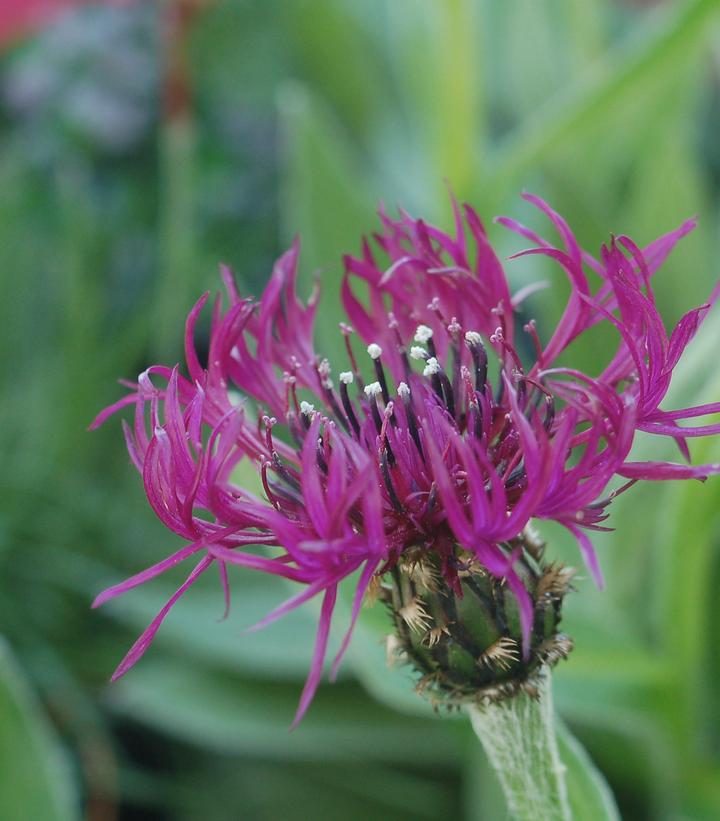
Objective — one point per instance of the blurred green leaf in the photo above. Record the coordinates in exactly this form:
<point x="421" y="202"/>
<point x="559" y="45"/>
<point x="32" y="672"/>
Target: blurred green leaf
<point x="437" y="67"/>
<point x="590" y="797"/>
<point x="636" y="754"/>
<point x="687" y="556"/>
<point x="326" y="198"/>
<point x="342" y="59"/>
<point x="35" y="780"/>
<point x="229" y="714"/>
<point x="222" y="788"/>
<point x="674" y="41"/>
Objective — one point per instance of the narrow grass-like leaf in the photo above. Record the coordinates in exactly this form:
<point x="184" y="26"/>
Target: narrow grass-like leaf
<point x="674" y="41"/>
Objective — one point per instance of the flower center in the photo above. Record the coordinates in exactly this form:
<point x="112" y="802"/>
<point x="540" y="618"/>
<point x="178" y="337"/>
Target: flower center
<point x="407" y="420"/>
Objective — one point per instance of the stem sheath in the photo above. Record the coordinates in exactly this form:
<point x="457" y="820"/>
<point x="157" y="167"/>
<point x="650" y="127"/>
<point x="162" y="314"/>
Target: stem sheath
<point x="518" y="735"/>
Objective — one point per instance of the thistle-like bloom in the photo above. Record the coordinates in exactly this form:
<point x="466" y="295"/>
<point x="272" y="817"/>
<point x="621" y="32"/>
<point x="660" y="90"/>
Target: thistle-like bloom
<point x="429" y="472"/>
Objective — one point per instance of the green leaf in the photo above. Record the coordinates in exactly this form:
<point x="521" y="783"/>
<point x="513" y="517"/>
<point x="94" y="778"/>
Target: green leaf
<point x="633" y="749"/>
<point x="34" y="776"/>
<point x="326" y="198"/>
<point x="436" y="56"/>
<point x="297" y="791"/>
<point x="686" y="591"/>
<point x="358" y="91"/>
<point x="595" y="100"/>
<point x="589" y="795"/>
<point x="229" y="714"/>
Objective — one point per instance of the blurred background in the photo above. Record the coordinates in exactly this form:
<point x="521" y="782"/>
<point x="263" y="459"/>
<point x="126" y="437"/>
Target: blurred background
<point x="141" y="144"/>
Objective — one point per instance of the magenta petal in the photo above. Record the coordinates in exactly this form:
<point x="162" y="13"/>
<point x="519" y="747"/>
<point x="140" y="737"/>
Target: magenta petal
<point x="318" y="658"/>
<point x="110" y="410"/>
<point x="225" y="582"/>
<point x="525" y="607"/>
<point x="312" y="488"/>
<point x="678" y="430"/>
<point x="295" y="601"/>
<point x="660" y="471"/>
<point x="362" y="587"/>
<point x="194" y="367"/>
<point x="272" y="566"/>
<point x="146" y="575"/>
<point x="588" y="552"/>
<point x="455" y="512"/>
<point x="145" y="640"/>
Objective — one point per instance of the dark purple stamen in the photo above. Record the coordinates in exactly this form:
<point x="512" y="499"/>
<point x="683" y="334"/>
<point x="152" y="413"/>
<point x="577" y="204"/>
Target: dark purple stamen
<point x="412" y="423"/>
<point x="380" y="373"/>
<point x="387" y="480"/>
<point x="479" y="357"/>
<point x="349" y="410"/>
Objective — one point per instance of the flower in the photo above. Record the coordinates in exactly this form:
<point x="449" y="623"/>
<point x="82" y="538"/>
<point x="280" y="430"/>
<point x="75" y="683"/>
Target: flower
<point x="433" y="471"/>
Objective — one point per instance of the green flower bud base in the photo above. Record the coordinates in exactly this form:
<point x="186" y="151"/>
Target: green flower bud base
<point x="466" y="645"/>
<point x="468" y="648"/>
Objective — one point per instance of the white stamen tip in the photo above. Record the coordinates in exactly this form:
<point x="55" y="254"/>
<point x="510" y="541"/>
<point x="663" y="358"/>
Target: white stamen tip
<point x="373" y="389"/>
<point x="346" y="377"/>
<point x="403" y="390"/>
<point x="473" y="338"/>
<point x="416" y="352"/>
<point x="432" y="367"/>
<point x="306" y="408"/>
<point x="423" y="333"/>
<point x="374" y="350"/>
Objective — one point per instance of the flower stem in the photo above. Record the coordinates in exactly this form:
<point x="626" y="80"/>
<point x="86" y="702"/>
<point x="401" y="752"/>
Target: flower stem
<point x="177" y="148"/>
<point x="518" y="735"/>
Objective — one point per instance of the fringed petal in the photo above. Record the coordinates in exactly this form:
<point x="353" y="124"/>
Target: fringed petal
<point x="138" y="649"/>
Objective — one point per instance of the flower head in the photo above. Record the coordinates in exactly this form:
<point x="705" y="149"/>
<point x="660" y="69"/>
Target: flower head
<point x="431" y="470"/>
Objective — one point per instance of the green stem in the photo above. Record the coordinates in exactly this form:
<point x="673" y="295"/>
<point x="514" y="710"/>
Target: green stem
<point x="175" y="289"/>
<point x="518" y="735"/>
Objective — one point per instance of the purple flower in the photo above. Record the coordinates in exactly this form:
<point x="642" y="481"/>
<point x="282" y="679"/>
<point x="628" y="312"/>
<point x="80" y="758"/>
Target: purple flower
<point x="457" y="443"/>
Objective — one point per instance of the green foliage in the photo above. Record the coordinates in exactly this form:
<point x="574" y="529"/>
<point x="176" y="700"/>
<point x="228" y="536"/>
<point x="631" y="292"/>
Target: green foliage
<point x="304" y="116"/>
<point x="35" y="779"/>
<point x="589" y="796"/>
